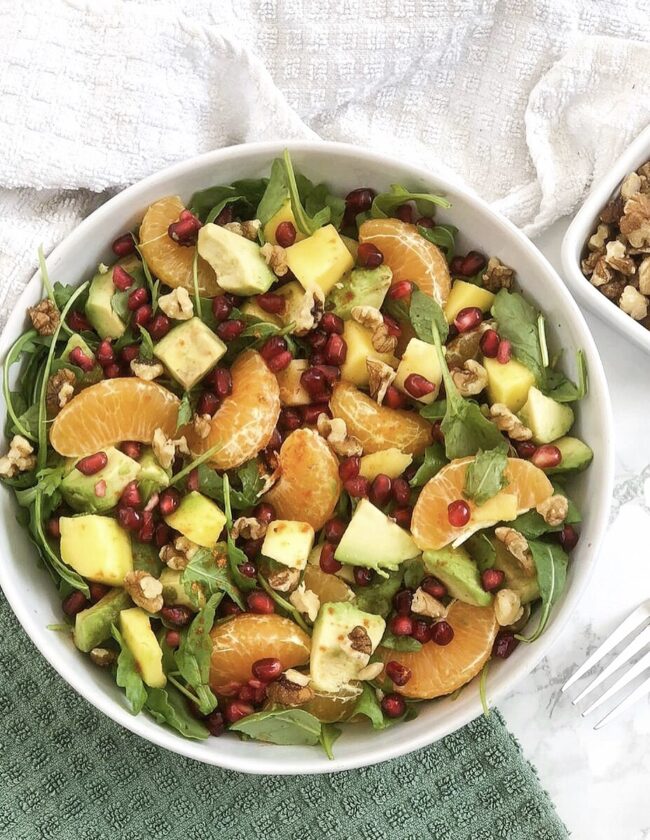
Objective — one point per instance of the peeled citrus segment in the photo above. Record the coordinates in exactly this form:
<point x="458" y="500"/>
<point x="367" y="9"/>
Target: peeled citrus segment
<point x="430" y="525"/>
<point x="112" y="411"/>
<point x="309" y="485"/>
<point x="246" y="419"/>
<point x="409" y="255"/>
<point x="171" y="262"/>
<point x="330" y="708"/>
<point x="437" y="670"/>
<point x="241" y="641"/>
<point x="329" y="588"/>
<point x="379" y="427"/>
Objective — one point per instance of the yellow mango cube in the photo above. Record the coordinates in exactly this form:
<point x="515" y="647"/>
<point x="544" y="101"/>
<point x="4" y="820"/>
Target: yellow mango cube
<point x="421" y="358"/>
<point x="143" y="644"/>
<point x="291" y="391"/>
<point x="500" y="508"/>
<point x="284" y="214"/>
<point x="390" y="462"/>
<point x="360" y="349"/>
<point x="320" y="260"/>
<point x="463" y="295"/>
<point x="96" y="547"/>
<point x="508" y="384"/>
<point x="198" y="518"/>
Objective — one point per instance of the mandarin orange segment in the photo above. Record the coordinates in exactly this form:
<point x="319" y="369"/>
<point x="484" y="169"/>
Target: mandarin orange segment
<point x="309" y="485"/>
<point x="112" y="411"/>
<point x="430" y="524"/>
<point x="331" y="708"/>
<point x="438" y="670"/>
<point x="409" y="256"/>
<point x="171" y="262"/>
<point x="242" y="640"/>
<point x="379" y="427"/>
<point x="329" y="588"/>
<point x="246" y="419"/>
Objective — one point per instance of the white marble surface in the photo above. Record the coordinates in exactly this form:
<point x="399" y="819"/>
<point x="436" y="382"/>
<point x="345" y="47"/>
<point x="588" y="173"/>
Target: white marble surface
<point x="599" y="780"/>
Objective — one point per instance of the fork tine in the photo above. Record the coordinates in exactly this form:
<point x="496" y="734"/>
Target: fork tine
<point x="637" y="644"/>
<point x="632" y="621"/>
<point x="638" y="692"/>
<point x="636" y="669"/>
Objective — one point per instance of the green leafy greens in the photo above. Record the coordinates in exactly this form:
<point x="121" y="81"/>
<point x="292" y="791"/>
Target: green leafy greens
<point x="193" y="655"/>
<point x="384" y="203"/>
<point x="517" y="322"/>
<point x="127" y="675"/>
<point x="485" y="476"/>
<point x="551" y="564"/>
<point x="281" y="726"/>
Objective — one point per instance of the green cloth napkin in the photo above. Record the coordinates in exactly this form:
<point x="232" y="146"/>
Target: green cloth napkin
<point x="68" y="772"/>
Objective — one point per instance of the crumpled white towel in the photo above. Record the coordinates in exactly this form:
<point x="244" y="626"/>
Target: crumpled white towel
<point x="525" y="101"/>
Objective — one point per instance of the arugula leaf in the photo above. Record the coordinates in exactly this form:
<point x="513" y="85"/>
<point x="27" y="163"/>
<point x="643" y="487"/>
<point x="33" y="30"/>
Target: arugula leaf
<point x="235" y="555"/>
<point x="413" y="572"/>
<point x="444" y="236"/>
<point x="211" y="484"/>
<point x="562" y="389"/>
<point x="485" y="476"/>
<point x="184" y="411"/>
<point x="434" y="461"/>
<point x="424" y="313"/>
<point x="319" y="198"/>
<point x="62" y="293"/>
<point x="328" y="735"/>
<point x="203" y="570"/>
<point x="24" y="344"/>
<point x="275" y="194"/>
<point x="281" y="726"/>
<point x="368" y="706"/>
<point x="167" y="705"/>
<point x="517" y="321"/>
<point x="384" y="203"/>
<point x="287" y="606"/>
<point x="127" y="675"/>
<point x="551" y="563"/>
<point x="378" y="596"/>
<point x="51" y="559"/>
<point x="482" y="551"/>
<point x="194" y="652"/>
<point x="146" y="345"/>
<point x="434" y="411"/>
<point x="305" y="223"/>
<point x="400" y="643"/>
<point x="532" y="525"/>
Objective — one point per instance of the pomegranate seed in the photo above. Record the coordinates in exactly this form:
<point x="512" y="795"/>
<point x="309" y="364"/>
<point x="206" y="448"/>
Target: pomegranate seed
<point x="398" y="673"/>
<point x="311" y="413"/>
<point x="336" y="350"/>
<point x="92" y="464"/>
<point x="468" y="319"/>
<point x="432" y="586"/>
<point x="410" y="472"/>
<point x="546" y="457"/>
<point x="316" y="339"/>
<point x="403" y="516"/>
<point x="251" y="549"/>
<point x="267" y="669"/>
<point x="417" y="386"/>
<point x="112" y="371"/>
<point x="230" y="330"/>
<point x="78" y="321"/>
<point x="504" y="353"/>
<point x="225" y="217"/>
<point x="380" y="490"/>
<point x="394" y="398"/>
<point x="97" y="591"/>
<point x="402" y="601"/>
<point x="260" y="695"/>
<point x="229" y="607"/>
<point x="74" y="603"/>
<point x="401" y="290"/>
<point x="173" y="638"/>
<point x="331" y="323"/>
<point x="360" y="200"/>
<point x="186" y="230"/>
<point x="179" y="615"/>
<point x="393" y="705"/>
<point x="327" y="561"/>
<point x="193" y="480"/>
<point x="358" y="487"/>
<point x="159" y="327"/>
<point x="129" y="353"/>
<point x="333" y="530"/>
<point x="401" y="625"/>
<point x="269" y="302"/>
<point x="279" y="362"/>
<point x="285" y="234"/>
<point x="473" y="263"/>
<point x="131" y="448"/>
<point x="208" y="403"/>
<point x="122" y="280"/>
<point x="332" y="373"/>
<point x="489" y="344"/>
<point x="54" y="527"/>
<point x="401" y="492"/>
<point x="81" y="360"/>
<point x="369" y="255"/>
<point x="236" y="710"/>
<point x="425" y="222"/>
<point x="124" y="245"/>
<point x="143" y="315"/>
<point x="421" y="631"/>
<point x="437" y="435"/>
<point x="265" y="513"/>
<point x="131" y="495"/>
<point x="137" y="298"/>
<point x="170" y="499"/>
<point x="105" y="353"/>
<point x="161" y="534"/>
<point x="458" y="513"/>
<point x="456" y="265"/>
<point x="233" y="300"/>
<point x="525" y="449"/>
<point x="146" y="532"/>
<point x="405" y="213"/>
<point x="221" y="381"/>
<point x="129" y="518"/>
<point x="314" y="381"/>
<point x="317" y="358"/>
<point x="259" y="602"/>
<point x="221" y="308"/>
<point x="349" y="467"/>
<point x="362" y="576"/>
<point x="504" y="644"/>
<point x="392" y="326"/>
<point x="289" y="420"/>
<point x="492" y="579"/>
<point x="272" y="346"/>
<point x="248" y="569"/>
<point x="568" y="538"/>
<point x="442" y="633"/>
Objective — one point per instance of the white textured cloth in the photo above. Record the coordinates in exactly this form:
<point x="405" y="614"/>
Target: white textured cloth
<point x="525" y="101"/>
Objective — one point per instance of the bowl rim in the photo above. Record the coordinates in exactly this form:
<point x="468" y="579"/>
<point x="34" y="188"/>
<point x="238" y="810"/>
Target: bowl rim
<point x="581" y="228"/>
<point x="601" y="497"/>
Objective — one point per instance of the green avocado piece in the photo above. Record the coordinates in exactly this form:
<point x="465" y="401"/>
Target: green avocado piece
<point x="93" y="626"/>
<point x="524" y="585"/>
<point x="546" y="418"/>
<point x="152" y="477"/>
<point x="146" y="559"/>
<point x="99" y="307"/>
<point x="174" y="590"/>
<point x="456" y="569"/>
<point x="190" y="350"/>
<point x="576" y="455"/>
<point x="237" y="261"/>
<point x="363" y="287"/>
<point x="79" y="490"/>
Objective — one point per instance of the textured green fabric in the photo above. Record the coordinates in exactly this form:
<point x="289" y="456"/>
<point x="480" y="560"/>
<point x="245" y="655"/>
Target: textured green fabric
<point x="68" y="772"/>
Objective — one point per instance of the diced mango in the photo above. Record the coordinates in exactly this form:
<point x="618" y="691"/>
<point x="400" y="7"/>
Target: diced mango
<point x="141" y="641"/>
<point x="288" y="542"/>
<point x="284" y="214"/>
<point x="291" y="391"/>
<point x="96" y="547"/>
<point x="360" y="349"/>
<point x="421" y="358"/>
<point x="463" y="295"/>
<point x="320" y="260"/>
<point x="508" y="384"/>
<point x="500" y="508"/>
<point x="198" y="518"/>
<point x="390" y="462"/>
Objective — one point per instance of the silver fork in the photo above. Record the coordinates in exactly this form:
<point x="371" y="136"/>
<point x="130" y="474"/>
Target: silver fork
<point x="640" y="638"/>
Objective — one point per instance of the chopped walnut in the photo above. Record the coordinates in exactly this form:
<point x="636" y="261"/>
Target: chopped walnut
<point x="644" y="276"/>
<point x="517" y="545"/>
<point x="507" y="607"/>
<point x="144" y="590"/>
<point x="165" y="448"/>
<point x="380" y="378"/>
<point x="178" y="554"/>
<point x="631" y="185"/>
<point x="508" y="422"/>
<point x="276" y="258"/>
<point x="18" y="459"/>
<point x="471" y="379"/>
<point x="177" y="304"/>
<point x="147" y="370"/>
<point x="248" y="230"/>
<point x="45" y="317"/>
<point x="248" y="527"/>
<point x="597" y="240"/>
<point x="466" y="345"/>
<point x="425" y="604"/>
<point x="60" y="389"/>
<point x="602" y="273"/>
<point x="202" y="425"/>
<point x="371" y="671"/>
<point x="614" y="289"/>
<point x="497" y="275"/>
<point x="308" y="313"/>
<point x="615" y="256"/>
<point x="372" y="319"/>
<point x="284" y="580"/>
<point x="554" y="509"/>
<point x="306" y="602"/>
<point x="635" y="223"/>
<point x="103" y="657"/>
<point x="589" y="263"/>
<point x="336" y="434"/>
<point x="633" y="303"/>
<point x="360" y="641"/>
<point x="286" y="692"/>
<point x="612" y="212"/>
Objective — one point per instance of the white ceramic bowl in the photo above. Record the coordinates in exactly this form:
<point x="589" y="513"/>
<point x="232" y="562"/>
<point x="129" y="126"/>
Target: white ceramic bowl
<point x="581" y="228"/>
<point x="30" y="590"/>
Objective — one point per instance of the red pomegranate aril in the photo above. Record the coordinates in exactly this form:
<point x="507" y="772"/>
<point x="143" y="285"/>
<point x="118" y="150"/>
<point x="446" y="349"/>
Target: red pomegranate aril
<point x="421" y="631"/>
<point x="402" y="601"/>
<point x="331" y="323"/>
<point x="362" y="576"/>
<point x="432" y="586"/>
<point x="311" y="413"/>
<point x="221" y="308"/>
<point x="401" y="492"/>
<point x="327" y="562"/>
<point x="186" y="230"/>
<point x="159" y="327"/>
<point x="248" y="569"/>
<point x="401" y="625"/>
<point x="161" y="534"/>
<point x="170" y="499"/>
<point x="393" y="705"/>
<point x="317" y="339"/>
<point x="568" y="537"/>
<point x="489" y="344"/>
<point x="380" y="490"/>
<point x="392" y="327"/>
<point x="360" y="200"/>
<point x="504" y="644"/>
<point x="417" y="386"/>
<point x="92" y="464"/>
<point x="173" y="638"/>
<point x="546" y="457"/>
<point x="230" y="330"/>
<point x="504" y="352"/>
<point x="129" y="353"/>
<point x="131" y="495"/>
<point x="97" y="591"/>
<point x="272" y="346"/>
<point x="333" y="530"/>
<point x="285" y="234"/>
<point x="349" y="467"/>
<point x="228" y="607"/>
<point x="222" y="382"/>
<point x="332" y="373"/>
<point x="129" y="518"/>
<point x="74" y="603"/>
<point x="146" y="532"/>
<point x="100" y="489"/>
<point x="442" y="633"/>
<point x="357" y="488"/>
<point x="468" y="319"/>
<point x="236" y="710"/>
<point x="259" y="602"/>
<point x="401" y="290"/>
<point x="426" y="222"/>
<point x="233" y="300"/>
<point x="317" y="358"/>
<point x="143" y="315"/>
<point x="265" y="513"/>
<point x="272" y="303"/>
<point x="53" y="527"/>
<point x="208" y="403"/>
<point x="112" y="371"/>
<point x="405" y="213"/>
<point x="132" y="448"/>
<point x="124" y="245"/>
<point x="193" y="480"/>
<point x="279" y="362"/>
<point x="403" y="516"/>
<point x="336" y="350"/>
<point x="267" y="669"/>
<point x="398" y="673"/>
<point x="492" y="579"/>
<point x="179" y="615"/>
<point x="105" y="354"/>
<point x="289" y="419"/>
<point x="394" y="398"/>
<point x="122" y="280"/>
<point x="81" y="360"/>
<point x="225" y="217"/>
<point x="314" y="381"/>
<point x="437" y="435"/>
<point x="137" y="298"/>
<point x="458" y="513"/>
<point x="473" y="263"/>
<point x="369" y="255"/>
<point x="524" y="448"/>
<point x="78" y="321"/>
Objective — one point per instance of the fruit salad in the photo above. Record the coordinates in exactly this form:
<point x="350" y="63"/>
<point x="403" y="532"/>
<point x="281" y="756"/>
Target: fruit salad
<point x="291" y="461"/>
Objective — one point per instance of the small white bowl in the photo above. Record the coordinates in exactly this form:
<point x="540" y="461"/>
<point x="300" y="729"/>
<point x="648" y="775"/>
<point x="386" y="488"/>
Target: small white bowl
<point x="581" y="228"/>
<point x="31" y="593"/>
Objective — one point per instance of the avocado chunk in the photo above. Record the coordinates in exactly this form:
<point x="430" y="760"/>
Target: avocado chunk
<point x="576" y="455"/>
<point x="189" y="351"/>
<point x="334" y="662"/>
<point x="362" y="287"/>
<point x="174" y="590"/>
<point x="288" y="542"/>
<point x="96" y="547"/>
<point x="198" y="518"/>
<point x="146" y="559"/>
<point x="141" y="641"/>
<point x="99" y="308"/>
<point x="152" y="477"/>
<point x="546" y="418"/>
<point x="523" y="584"/>
<point x="93" y="626"/>
<point x="375" y="541"/>
<point x="237" y="262"/>
<point x="80" y="491"/>
<point x="456" y="569"/>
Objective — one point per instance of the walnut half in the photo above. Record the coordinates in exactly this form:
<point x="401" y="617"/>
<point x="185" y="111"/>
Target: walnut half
<point x="285" y="692"/>
<point x="144" y="590"/>
<point x="44" y="316"/>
